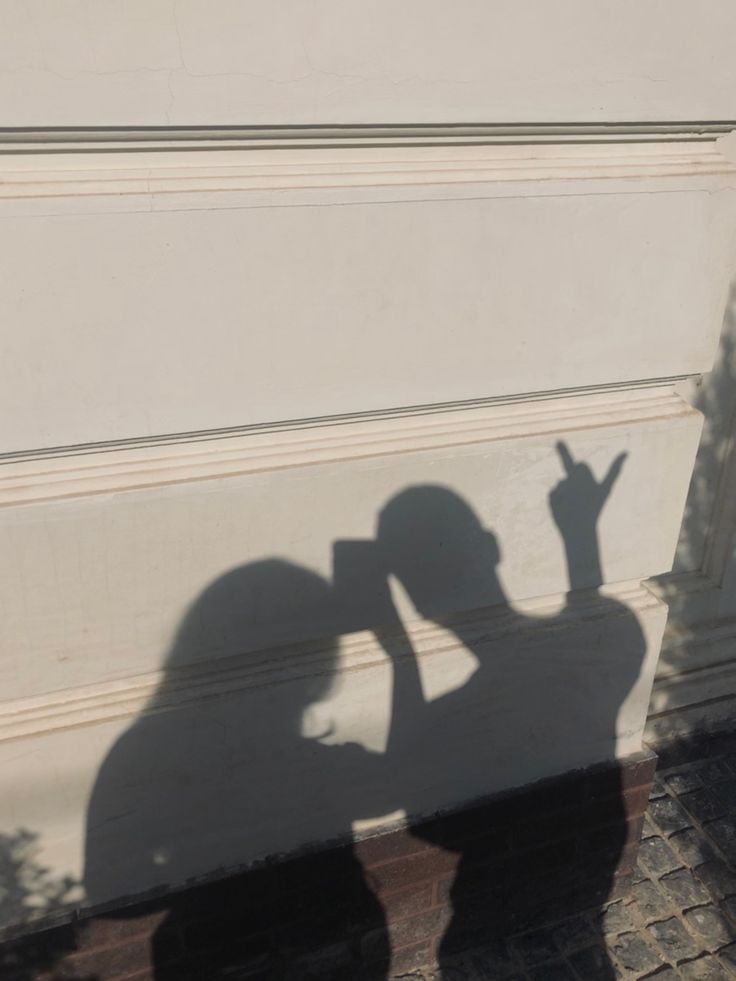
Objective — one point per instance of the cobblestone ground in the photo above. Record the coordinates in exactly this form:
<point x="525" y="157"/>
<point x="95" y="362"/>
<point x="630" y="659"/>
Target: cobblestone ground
<point x="679" y="920"/>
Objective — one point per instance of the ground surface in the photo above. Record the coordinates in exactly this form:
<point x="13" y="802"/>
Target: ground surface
<point x="678" y="922"/>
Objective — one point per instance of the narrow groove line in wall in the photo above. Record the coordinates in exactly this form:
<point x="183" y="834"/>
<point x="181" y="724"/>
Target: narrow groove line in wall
<point x="351" y="134"/>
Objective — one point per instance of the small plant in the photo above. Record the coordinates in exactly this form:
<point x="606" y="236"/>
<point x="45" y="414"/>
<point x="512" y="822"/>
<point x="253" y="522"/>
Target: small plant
<point x="29" y="893"/>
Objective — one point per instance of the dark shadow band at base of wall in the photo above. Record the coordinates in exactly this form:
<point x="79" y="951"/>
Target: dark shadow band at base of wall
<point x="388" y="904"/>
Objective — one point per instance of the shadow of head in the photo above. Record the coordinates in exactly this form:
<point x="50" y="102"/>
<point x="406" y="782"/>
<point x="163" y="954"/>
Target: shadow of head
<point x="435" y="545"/>
<point x="254" y="609"/>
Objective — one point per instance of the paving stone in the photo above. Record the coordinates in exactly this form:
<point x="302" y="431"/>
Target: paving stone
<point x="693" y="847"/>
<point x="556" y="971"/>
<point x="535" y="946"/>
<point x="635" y="954"/>
<point x="729" y="907"/>
<point x="711" y="925"/>
<point x="657" y="857"/>
<point x="450" y="972"/>
<point x="726" y="792"/>
<point x="723" y="833"/>
<point x="727" y="957"/>
<point x="658" y="788"/>
<point x="704" y="805"/>
<point x="667" y="975"/>
<point x="592" y="962"/>
<point x="669" y="815"/>
<point x="573" y="934"/>
<point x="615" y="919"/>
<point x="703" y="969"/>
<point x="714" y="771"/>
<point x="648" y="828"/>
<point x="683" y="889"/>
<point x="683" y="781"/>
<point x="675" y="941"/>
<point x="492" y="962"/>
<point x="650" y="902"/>
<point x="639" y="874"/>
<point x="719" y="880"/>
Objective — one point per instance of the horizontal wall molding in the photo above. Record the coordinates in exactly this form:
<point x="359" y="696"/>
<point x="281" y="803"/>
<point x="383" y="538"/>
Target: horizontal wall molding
<point x="165" y="691"/>
<point x="37" y="168"/>
<point x="113" y="469"/>
<point x="401" y="412"/>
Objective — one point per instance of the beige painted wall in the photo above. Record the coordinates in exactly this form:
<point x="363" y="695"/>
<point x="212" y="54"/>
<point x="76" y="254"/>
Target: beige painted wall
<point x="157" y="63"/>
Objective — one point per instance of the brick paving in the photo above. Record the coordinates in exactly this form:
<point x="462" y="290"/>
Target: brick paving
<point x="677" y="922"/>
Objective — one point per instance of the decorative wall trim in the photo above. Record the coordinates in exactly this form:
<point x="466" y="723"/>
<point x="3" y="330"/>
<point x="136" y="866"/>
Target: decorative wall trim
<point x="611" y="392"/>
<point x="37" y="165"/>
<point x="131" y="697"/>
<point x="678" y="587"/>
<point x="118" y="468"/>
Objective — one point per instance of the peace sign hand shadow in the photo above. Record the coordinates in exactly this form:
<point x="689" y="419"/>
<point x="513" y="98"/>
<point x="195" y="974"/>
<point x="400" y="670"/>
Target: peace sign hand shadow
<point x="577" y="501"/>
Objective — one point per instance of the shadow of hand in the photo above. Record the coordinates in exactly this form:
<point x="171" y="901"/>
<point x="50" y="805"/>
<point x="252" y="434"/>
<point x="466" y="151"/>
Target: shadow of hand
<point x="577" y="501"/>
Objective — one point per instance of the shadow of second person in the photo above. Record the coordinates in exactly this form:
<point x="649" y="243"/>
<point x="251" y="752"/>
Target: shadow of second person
<point x="544" y="699"/>
<point x="229" y="778"/>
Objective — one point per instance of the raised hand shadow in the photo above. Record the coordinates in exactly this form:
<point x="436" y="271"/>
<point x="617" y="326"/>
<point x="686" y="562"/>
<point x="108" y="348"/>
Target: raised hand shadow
<point x="577" y="502"/>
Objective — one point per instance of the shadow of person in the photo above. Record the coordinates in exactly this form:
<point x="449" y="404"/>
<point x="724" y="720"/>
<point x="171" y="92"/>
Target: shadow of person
<point x="541" y="700"/>
<point x="189" y="786"/>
